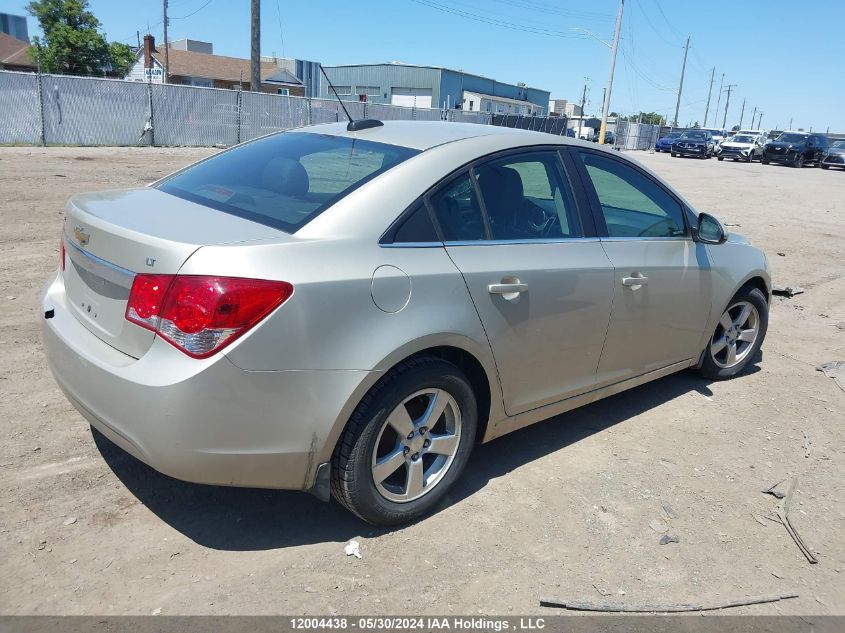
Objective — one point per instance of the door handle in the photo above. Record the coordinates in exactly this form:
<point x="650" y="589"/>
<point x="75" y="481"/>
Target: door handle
<point x="506" y="289"/>
<point x="635" y="281"/>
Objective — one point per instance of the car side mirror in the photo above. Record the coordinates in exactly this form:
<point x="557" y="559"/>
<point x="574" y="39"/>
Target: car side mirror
<point x="710" y="230"/>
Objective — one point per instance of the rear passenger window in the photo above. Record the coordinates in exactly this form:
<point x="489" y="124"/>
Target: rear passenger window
<point x="633" y="205"/>
<point x="417" y="228"/>
<point x="458" y="212"/>
<point x="526" y="199"/>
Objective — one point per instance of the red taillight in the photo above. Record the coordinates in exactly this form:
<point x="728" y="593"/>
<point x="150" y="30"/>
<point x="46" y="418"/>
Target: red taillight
<point x="201" y="315"/>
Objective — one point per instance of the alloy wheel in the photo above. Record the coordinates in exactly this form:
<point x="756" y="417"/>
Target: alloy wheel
<point x="735" y="334"/>
<point x="416" y="445"/>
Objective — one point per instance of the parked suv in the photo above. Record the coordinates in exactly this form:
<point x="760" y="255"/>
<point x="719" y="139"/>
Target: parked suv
<point x="796" y="149"/>
<point x="694" y="143"/>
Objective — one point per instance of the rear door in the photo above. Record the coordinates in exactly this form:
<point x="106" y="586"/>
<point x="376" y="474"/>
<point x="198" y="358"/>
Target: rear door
<point x="538" y="276"/>
<point x="662" y="283"/>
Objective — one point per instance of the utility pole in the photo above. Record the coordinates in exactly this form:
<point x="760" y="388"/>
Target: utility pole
<point x="583" y="101"/>
<point x="760" y="121"/>
<point x="166" y="47"/>
<point x="709" y="92"/>
<point x="728" y="89"/>
<point x="719" y="98"/>
<point x="138" y="35"/>
<point x="790" y="124"/>
<point x="754" y="116"/>
<point x="681" y="84"/>
<point x="613" y="49"/>
<point x="255" y="48"/>
<point x="742" y="114"/>
<point x="603" y="97"/>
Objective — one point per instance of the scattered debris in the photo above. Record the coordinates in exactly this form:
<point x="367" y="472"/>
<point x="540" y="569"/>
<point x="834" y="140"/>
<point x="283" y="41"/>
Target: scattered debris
<point x="840" y="325"/>
<point x="669" y="538"/>
<point x="658" y="526"/>
<point x="782" y="254"/>
<point x="732" y="224"/>
<point x="69" y="521"/>
<point x="669" y="510"/>
<point x="834" y="369"/>
<point x="782" y="514"/>
<point x="774" y="491"/>
<point x="602" y="590"/>
<point x="777" y="575"/>
<point x="42" y="543"/>
<point x="353" y="548"/>
<point x="157" y="611"/>
<point x="580" y="605"/>
<point x="787" y="291"/>
<point x="806" y="445"/>
<point x="759" y="520"/>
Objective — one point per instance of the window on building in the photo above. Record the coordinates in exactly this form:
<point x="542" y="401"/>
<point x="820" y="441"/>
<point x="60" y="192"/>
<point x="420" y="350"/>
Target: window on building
<point x="343" y="90"/>
<point x="283" y="91"/>
<point x="470" y="104"/>
<point x="370" y="91"/>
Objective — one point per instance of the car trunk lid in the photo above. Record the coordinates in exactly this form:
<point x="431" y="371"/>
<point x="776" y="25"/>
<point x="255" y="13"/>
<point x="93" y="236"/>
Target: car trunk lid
<point x="111" y="236"/>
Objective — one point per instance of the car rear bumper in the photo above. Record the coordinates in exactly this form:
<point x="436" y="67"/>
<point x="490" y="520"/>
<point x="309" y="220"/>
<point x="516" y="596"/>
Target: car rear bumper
<point x="205" y="421"/>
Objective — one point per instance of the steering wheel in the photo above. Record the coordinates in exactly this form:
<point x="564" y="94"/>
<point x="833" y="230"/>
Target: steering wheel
<point x="657" y="229"/>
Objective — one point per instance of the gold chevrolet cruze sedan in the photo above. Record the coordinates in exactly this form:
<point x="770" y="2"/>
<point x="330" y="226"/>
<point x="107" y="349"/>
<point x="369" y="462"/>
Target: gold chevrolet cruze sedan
<point x="347" y="310"/>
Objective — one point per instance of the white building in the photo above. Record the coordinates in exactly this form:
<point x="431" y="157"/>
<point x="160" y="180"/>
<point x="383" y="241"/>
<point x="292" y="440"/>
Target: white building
<point x="479" y="102"/>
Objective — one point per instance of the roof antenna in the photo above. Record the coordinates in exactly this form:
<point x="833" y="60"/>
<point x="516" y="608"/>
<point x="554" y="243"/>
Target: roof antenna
<point x="352" y="126"/>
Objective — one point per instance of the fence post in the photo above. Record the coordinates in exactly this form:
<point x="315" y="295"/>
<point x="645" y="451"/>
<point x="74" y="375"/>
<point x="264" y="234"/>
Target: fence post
<point x="309" y="110"/>
<point x="239" y="101"/>
<point x="41" y="106"/>
<point x="152" y="125"/>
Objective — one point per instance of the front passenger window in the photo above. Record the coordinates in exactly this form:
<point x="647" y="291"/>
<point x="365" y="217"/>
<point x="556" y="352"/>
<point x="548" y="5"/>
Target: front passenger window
<point x="633" y="205"/>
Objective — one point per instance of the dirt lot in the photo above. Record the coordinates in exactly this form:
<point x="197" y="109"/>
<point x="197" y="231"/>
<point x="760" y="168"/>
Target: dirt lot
<point x="562" y="508"/>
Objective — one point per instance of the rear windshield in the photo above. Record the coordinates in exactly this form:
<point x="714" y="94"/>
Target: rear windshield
<point x="285" y="180"/>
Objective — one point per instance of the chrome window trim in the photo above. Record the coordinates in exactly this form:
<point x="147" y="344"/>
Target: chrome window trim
<point x="655" y="238"/>
<point x="412" y="245"/>
<point x="99" y="267"/>
<point x="558" y="240"/>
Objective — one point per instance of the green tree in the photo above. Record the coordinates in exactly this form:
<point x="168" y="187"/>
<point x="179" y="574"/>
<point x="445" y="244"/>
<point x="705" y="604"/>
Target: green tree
<point x="72" y="42"/>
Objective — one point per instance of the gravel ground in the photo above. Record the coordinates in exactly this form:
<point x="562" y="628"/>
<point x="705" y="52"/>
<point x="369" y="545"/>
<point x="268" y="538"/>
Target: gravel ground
<point x="565" y="508"/>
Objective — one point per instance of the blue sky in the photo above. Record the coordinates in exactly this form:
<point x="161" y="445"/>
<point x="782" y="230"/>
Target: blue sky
<point x="785" y="57"/>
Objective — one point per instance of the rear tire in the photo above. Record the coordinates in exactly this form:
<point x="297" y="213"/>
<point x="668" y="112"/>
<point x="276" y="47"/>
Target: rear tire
<point x="799" y="162"/>
<point x="393" y="431"/>
<point x="672" y="154"/>
<point x="720" y="158"/>
<point x="823" y="166"/>
<point x="764" y="160"/>
<point x="730" y="349"/>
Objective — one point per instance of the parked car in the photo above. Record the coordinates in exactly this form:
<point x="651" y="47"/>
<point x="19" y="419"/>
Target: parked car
<point x="664" y="143"/>
<point x="609" y="138"/>
<point x="718" y="135"/>
<point x="835" y="156"/>
<point x="741" y="147"/>
<point x="348" y="312"/>
<point x="694" y="143"/>
<point x="796" y="149"/>
<point x="762" y="133"/>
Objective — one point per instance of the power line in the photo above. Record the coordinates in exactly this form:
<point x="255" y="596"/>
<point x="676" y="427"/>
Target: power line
<point x="496" y="22"/>
<point x="281" y="31"/>
<point x="549" y="9"/>
<point x="654" y="28"/>
<point x="182" y="17"/>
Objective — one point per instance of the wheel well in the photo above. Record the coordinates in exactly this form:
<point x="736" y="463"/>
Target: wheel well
<point x="757" y="282"/>
<point x="474" y="372"/>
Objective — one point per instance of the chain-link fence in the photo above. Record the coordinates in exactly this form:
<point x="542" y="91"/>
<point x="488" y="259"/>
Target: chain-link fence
<point x="66" y="110"/>
<point x="635" y="135"/>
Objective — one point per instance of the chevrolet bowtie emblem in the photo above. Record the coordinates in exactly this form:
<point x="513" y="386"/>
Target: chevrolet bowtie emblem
<point x="82" y="236"/>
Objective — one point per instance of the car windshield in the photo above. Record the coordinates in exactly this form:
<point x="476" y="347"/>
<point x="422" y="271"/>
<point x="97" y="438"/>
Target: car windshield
<point x="284" y="180"/>
<point x="715" y="132"/>
<point x="695" y="135"/>
<point x="672" y="135"/>
<point x="838" y="144"/>
<point x="787" y="137"/>
<point x="742" y="138"/>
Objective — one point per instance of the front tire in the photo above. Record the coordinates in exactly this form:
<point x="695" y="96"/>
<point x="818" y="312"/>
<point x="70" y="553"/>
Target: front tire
<point x="764" y="160"/>
<point x="406" y="442"/>
<point x="720" y="158"/>
<point x="672" y="154"/>
<point x="738" y="335"/>
<point x="823" y="166"/>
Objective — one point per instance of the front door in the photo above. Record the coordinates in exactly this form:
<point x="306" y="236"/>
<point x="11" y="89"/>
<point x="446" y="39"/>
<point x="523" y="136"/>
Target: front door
<point x="662" y="277"/>
<point x="541" y="288"/>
